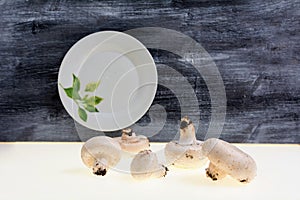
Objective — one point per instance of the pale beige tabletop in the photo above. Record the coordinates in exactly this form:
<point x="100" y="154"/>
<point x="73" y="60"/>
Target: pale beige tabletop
<point x="55" y="171"/>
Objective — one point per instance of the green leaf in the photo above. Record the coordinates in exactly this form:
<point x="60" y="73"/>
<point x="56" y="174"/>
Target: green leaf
<point x="69" y="92"/>
<point x="75" y="95"/>
<point x="85" y="97"/>
<point x="76" y="83"/>
<point x="76" y="88"/>
<point x="91" y="87"/>
<point x="92" y="101"/>
<point x="91" y="108"/>
<point x="97" y="100"/>
<point x="82" y="114"/>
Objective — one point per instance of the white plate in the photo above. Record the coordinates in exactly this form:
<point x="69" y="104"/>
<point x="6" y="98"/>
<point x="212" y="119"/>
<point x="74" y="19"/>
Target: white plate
<point x="127" y="75"/>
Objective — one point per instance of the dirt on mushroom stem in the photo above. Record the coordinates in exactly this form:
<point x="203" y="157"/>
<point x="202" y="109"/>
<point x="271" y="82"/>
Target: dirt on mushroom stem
<point x="100" y="167"/>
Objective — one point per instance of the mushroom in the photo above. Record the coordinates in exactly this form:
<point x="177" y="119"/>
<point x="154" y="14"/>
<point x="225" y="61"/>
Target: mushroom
<point x="145" y="165"/>
<point x="187" y="151"/>
<point x="132" y="143"/>
<point x="226" y="159"/>
<point x="100" y="153"/>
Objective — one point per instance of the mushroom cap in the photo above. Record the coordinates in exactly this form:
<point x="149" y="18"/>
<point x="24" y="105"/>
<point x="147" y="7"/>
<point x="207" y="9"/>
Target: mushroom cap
<point x="185" y="156"/>
<point x="132" y="143"/>
<point x="145" y="165"/>
<point x="229" y="159"/>
<point x="101" y="149"/>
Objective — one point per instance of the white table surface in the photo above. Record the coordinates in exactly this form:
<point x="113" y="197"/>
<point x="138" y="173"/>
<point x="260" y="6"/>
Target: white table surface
<point x="55" y="171"/>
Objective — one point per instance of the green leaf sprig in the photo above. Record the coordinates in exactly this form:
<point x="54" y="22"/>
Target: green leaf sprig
<point x="87" y="103"/>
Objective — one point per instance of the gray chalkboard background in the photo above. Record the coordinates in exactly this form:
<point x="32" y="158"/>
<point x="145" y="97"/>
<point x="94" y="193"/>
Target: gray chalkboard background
<point x="255" y="44"/>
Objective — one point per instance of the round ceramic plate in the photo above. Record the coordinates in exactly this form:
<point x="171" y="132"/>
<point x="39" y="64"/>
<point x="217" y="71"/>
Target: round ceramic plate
<point x="107" y="81"/>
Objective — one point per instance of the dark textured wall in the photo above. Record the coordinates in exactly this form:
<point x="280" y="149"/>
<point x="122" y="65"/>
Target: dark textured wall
<point x="255" y="44"/>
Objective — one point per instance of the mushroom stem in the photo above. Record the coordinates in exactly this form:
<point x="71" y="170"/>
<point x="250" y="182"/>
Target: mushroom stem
<point x="126" y="133"/>
<point x="100" y="167"/>
<point x="187" y="132"/>
<point x="214" y="172"/>
<point x="132" y="143"/>
<point x="186" y="137"/>
<point x="187" y="151"/>
<point x="129" y="135"/>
